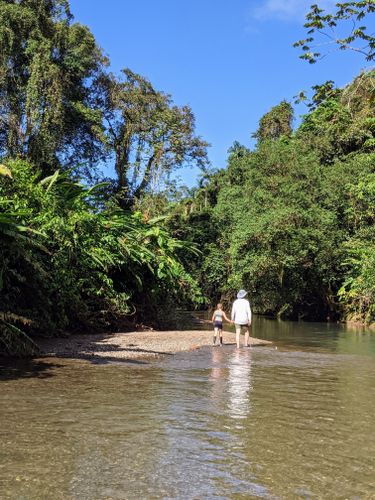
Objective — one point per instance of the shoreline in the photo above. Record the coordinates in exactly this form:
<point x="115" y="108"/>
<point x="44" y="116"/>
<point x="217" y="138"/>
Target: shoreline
<point x="133" y="345"/>
<point x="359" y="325"/>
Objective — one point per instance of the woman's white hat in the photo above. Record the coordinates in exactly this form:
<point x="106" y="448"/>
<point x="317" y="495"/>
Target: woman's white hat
<point x="241" y="294"/>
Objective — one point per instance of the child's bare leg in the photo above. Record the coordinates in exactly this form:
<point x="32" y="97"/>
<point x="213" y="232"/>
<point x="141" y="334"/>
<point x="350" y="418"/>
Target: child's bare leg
<point x="221" y="336"/>
<point x="215" y="335"/>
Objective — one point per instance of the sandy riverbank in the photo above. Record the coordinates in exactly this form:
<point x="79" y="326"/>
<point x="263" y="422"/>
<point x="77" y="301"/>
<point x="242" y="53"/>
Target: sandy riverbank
<point x="133" y="345"/>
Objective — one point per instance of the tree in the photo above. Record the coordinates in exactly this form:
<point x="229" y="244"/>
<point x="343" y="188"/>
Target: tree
<point x="275" y="123"/>
<point x="358" y="289"/>
<point x="322" y="93"/>
<point x="67" y="262"/>
<point x="342" y="122"/>
<point x="46" y="64"/>
<point x="147" y="134"/>
<point x="292" y="220"/>
<point x="342" y="30"/>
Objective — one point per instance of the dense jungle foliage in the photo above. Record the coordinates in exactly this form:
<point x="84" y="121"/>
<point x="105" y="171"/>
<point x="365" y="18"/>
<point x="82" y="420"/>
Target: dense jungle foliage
<point x="292" y="220"/>
<point x="70" y="260"/>
<point x="76" y="254"/>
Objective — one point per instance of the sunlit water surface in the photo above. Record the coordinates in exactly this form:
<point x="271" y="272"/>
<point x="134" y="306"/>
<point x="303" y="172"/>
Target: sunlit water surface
<point x="291" y="422"/>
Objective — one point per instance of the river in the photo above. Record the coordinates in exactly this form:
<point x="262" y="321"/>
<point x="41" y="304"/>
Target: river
<point x="291" y="422"/>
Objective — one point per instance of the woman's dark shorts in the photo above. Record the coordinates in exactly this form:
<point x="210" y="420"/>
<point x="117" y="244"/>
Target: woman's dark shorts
<point x="218" y="324"/>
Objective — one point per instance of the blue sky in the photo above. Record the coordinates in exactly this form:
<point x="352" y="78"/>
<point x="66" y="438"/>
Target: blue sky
<point x="230" y="61"/>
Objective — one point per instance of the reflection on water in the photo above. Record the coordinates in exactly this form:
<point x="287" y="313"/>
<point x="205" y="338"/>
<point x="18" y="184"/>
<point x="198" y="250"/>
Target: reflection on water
<point x="218" y="372"/>
<point x="239" y="384"/>
<point x="296" y="422"/>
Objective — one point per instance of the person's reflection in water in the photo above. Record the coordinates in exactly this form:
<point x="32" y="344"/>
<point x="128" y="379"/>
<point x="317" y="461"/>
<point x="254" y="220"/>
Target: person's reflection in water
<point x="217" y="376"/>
<point x="239" y="384"/>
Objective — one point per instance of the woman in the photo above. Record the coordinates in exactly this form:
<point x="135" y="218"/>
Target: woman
<point x="241" y="316"/>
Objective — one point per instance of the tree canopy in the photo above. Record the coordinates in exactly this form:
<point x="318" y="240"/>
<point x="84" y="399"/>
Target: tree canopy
<point x="292" y="220"/>
<point x="276" y="123"/>
<point x="340" y="30"/>
<point x="71" y="255"/>
<point x="46" y="64"/>
<point x="148" y="135"/>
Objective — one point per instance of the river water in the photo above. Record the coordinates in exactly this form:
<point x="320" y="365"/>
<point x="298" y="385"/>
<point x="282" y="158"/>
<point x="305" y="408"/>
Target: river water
<point x="291" y="422"/>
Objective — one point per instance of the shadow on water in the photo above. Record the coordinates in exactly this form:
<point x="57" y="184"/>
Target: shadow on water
<point x="130" y="348"/>
<point x="12" y="369"/>
<point x="90" y="352"/>
<point x="95" y="349"/>
<point x="100" y="360"/>
<point x="43" y="368"/>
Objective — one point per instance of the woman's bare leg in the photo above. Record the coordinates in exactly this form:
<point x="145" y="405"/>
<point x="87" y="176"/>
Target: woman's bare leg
<point x="247" y="337"/>
<point x="238" y="333"/>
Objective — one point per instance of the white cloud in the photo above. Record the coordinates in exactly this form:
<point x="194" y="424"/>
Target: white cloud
<point x="286" y="10"/>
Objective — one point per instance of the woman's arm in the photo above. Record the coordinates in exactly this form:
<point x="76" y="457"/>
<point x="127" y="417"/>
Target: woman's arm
<point x="233" y="313"/>
<point x="213" y="317"/>
<point x="249" y="313"/>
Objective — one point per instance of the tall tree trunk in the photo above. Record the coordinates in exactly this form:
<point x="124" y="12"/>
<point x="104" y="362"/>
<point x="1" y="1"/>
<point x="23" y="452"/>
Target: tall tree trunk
<point x="146" y="178"/>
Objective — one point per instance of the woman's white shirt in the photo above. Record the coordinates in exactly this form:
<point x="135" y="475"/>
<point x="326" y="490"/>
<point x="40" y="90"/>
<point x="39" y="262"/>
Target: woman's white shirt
<point x="241" y="312"/>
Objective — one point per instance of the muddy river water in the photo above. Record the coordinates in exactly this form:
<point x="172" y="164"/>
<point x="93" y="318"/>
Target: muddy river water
<point x="292" y="422"/>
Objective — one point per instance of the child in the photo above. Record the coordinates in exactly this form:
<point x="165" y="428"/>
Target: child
<point x="217" y="320"/>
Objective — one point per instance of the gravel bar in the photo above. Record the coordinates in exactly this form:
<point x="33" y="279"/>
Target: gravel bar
<point x="134" y="345"/>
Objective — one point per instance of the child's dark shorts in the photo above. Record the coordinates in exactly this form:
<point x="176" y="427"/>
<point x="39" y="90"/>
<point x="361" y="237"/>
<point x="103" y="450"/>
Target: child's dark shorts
<point x="218" y="324"/>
